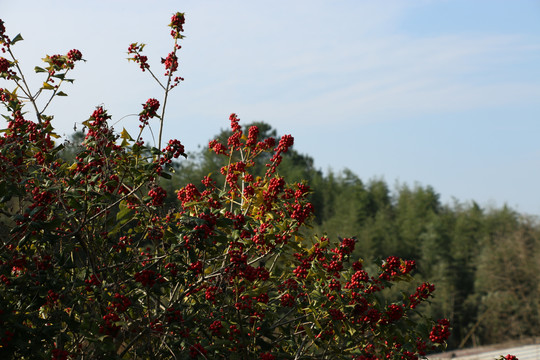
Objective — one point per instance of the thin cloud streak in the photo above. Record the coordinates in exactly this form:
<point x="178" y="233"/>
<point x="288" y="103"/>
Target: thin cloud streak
<point x="337" y="63"/>
<point x="407" y="74"/>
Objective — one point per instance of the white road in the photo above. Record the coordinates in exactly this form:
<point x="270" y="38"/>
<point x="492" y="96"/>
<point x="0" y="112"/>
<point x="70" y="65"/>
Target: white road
<point x="524" y="352"/>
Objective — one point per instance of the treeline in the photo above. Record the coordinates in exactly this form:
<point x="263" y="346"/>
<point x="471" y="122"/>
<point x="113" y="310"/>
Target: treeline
<point x="484" y="262"/>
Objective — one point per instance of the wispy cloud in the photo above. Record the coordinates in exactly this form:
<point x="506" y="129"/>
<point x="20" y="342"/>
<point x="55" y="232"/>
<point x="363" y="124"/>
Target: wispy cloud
<point x="353" y="70"/>
<point x="307" y="60"/>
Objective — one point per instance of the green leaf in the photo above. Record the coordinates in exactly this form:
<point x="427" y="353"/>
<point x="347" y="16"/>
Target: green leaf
<point x="309" y="333"/>
<point x="38" y="69"/>
<point x="54" y="135"/>
<point x="47" y="86"/>
<point x="61" y="93"/>
<point x="165" y="175"/>
<point x="16" y="38"/>
<point x="124" y="211"/>
<point x="311" y="317"/>
<point x="59" y="147"/>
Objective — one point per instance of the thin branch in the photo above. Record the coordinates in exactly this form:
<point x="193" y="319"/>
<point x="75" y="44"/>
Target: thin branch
<point x="27" y="92"/>
<point x="53" y="94"/>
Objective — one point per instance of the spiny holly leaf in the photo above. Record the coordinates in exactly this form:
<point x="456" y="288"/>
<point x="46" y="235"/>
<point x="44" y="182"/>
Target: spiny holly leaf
<point x="125" y="135"/>
<point x="16" y="38"/>
<point x="47" y="86"/>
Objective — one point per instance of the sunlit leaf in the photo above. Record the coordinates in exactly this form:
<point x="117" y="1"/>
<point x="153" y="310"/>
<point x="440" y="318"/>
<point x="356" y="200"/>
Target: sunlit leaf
<point x="125" y="135"/>
<point x="47" y="86"/>
<point x="124" y="211"/>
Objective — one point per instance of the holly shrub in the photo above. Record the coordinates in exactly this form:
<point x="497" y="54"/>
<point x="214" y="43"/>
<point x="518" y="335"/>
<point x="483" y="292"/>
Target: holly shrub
<point x="93" y="265"/>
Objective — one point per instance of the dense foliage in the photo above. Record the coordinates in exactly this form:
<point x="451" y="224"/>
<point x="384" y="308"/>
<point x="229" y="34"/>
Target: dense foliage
<point x="94" y="263"/>
<point x="484" y="261"/>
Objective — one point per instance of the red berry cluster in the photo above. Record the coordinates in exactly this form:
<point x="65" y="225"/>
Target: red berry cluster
<point x="62" y="62"/>
<point x="287" y="300"/>
<point x="217" y="147"/>
<point x="216" y="327"/>
<point x="5" y="70"/>
<point x="74" y="55"/>
<point x="148" y="278"/>
<point x="188" y="193"/>
<point x="301" y="212"/>
<point x="394" y="267"/>
<point x="52" y="298"/>
<point x="177" y="25"/>
<point x="253" y="134"/>
<point x="173" y="150"/>
<point x="196" y="267"/>
<point x="109" y="326"/>
<point x="171" y="63"/>
<point x="5" y="41"/>
<point x="120" y="304"/>
<point x="422" y="292"/>
<point x="59" y="354"/>
<point x="94" y="280"/>
<point x="285" y="143"/>
<point x="197" y="350"/>
<point x="149" y="111"/>
<point x="336" y="314"/>
<point x="158" y="194"/>
<point x="2" y="30"/>
<point x="440" y="332"/>
<point x="210" y="294"/>
<point x="234" y="141"/>
<point x="136" y="50"/>
<point x="394" y="312"/>
<point x="4" y="65"/>
<point x="245" y="303"/>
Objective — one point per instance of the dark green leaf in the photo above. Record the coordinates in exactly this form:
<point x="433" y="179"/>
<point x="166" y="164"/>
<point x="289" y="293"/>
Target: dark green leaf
<point x="165" y="175"/>
<point x="16" y="38"/>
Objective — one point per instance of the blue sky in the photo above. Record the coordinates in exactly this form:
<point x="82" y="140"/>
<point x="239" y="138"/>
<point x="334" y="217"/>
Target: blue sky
<point x="443" y="93"/>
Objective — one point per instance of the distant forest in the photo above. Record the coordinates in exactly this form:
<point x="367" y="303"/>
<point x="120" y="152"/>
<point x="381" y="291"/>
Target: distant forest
<point x="484" y="262"/>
